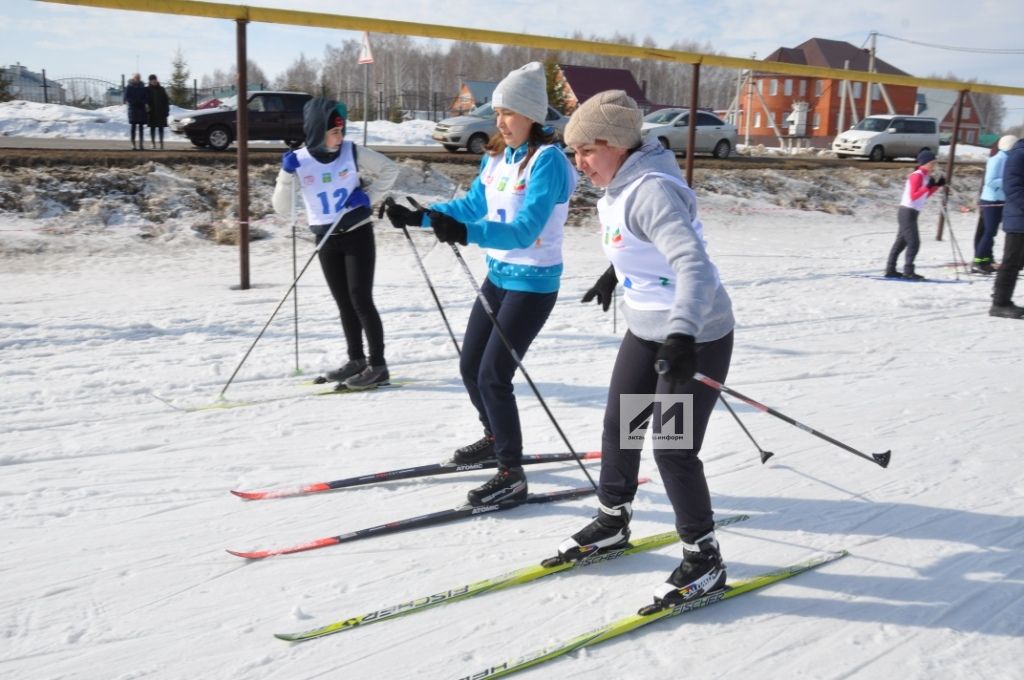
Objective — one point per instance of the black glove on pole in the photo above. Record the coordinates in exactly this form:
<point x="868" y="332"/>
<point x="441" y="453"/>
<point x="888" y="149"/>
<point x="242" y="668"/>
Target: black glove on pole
<point x="677" y="359"/>
<point x="399" y="215"/>
<point x="447" y="229"/>
<point x="603" y="289"/>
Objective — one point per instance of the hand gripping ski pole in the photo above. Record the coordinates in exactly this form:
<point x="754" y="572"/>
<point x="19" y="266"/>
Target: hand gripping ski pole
<point x="881" y="459"/>
<point x="511" y="350"/>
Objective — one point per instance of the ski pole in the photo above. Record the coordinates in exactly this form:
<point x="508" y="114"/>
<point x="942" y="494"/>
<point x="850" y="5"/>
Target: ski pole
<point x="280" y="304"/>
<point x="662" y="367"/>
<point x="486" y="305"/>
<point x="958" y="255"/>
<point x="423" y="270"/>
<point x="295" y="264"/>
<point x="765" y="455"/>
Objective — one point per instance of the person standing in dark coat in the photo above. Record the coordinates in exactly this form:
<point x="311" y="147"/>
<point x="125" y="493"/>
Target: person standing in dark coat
<point x="1013" y="246"/>
<point x="135" y="98"/>
<point x="158" y="108"/>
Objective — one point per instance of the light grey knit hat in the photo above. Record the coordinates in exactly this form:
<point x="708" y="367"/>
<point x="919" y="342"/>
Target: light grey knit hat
<point x="524" y="91"/>
<point x="611" y="115"/>
<point x="1006" y="142"/>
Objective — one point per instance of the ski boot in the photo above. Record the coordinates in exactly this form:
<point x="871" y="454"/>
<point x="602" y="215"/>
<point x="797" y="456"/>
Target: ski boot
<point x="609" y="530"/>
<point x="368" y="378"/>
<point x="701" y="572"/>
<point x="508" y="485"/>
<point x="477" y="452"/>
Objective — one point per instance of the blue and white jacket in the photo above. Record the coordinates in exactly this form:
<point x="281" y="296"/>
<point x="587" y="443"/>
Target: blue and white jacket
<point x="520" y="256"/>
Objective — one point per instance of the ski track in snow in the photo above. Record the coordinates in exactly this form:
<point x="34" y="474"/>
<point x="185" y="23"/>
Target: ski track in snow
<point x="116" y="513"/>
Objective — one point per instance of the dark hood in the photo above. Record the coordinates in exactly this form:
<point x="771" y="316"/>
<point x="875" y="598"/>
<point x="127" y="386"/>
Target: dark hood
<point x="315" y="114"/>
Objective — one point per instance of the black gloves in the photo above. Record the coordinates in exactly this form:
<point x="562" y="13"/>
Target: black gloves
<point x="401" y="216"/>
<point x="448" y="229"/>
<point x="603" y="289"/>
<point x="677" y="359"/>
<point x="933" y="182"/>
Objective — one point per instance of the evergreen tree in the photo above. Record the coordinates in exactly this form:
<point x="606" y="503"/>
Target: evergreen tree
<point x="556" y="95"/>
<point x="178" y="92"/>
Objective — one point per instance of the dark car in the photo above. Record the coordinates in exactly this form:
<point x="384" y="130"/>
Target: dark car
<point x="272" y="115"/>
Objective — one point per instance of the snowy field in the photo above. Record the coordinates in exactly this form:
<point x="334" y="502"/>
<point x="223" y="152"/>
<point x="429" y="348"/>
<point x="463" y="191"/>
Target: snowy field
<point x="115" y="512"/>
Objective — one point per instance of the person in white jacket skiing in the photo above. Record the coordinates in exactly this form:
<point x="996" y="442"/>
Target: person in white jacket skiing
<point x="328" y="169"/>
<point x="679" y="318"/>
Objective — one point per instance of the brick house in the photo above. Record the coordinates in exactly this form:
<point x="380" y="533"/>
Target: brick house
<point x="941" y="104"/>
<point x="768" y="97"/>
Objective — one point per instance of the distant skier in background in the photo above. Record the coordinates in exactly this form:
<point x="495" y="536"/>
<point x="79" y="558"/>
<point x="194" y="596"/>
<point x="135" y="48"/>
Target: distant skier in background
<point x="327" y="170"/>
<point x="920" y="185"/>
<point x="136" y="99"/>
<point x="991" y="205"/>
<point x="157" y="109"/>
<point x="678" y="314"/>
<point x="516" y="209"/>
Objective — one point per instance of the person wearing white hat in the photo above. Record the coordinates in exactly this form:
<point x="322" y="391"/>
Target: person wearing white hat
<point x="515" y="209"/>
<point x="991" y="204"/>
<point x="679" y="318"/>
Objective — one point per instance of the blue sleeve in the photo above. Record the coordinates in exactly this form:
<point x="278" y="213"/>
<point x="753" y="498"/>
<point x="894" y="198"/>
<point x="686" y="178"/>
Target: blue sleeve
<point x="549" y="185"/>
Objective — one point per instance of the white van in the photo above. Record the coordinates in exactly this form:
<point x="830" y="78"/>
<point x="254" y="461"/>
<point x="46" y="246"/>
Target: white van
<point x="884" y="137"/>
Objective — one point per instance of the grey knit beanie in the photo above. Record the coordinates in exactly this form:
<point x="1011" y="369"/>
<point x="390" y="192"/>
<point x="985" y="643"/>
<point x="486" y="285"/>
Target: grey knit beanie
<point x="611" y="115"/>
<point x="524" y="91"/>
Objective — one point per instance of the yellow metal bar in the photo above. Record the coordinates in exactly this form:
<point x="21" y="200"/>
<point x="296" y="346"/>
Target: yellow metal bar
<point x="216" y="10"/>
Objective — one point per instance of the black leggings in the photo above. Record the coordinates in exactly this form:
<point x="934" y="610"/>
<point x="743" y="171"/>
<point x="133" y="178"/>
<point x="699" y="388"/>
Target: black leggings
<point x="348" y="260"/>
<point x="152" y="134"/>
<point x="487" y="367"/>
<point x="1009" y="269"/>
<point x="142" y="133"/>
<point x="681" y="469"/>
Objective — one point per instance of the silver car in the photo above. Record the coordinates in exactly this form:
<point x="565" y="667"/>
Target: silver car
<point x="671" y="128"/>
<point x="474" y="129"/>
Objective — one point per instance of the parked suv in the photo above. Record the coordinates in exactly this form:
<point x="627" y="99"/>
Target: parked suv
<point x="672" y="128"/>
<point x="474" y="129"/>
<point x="272" y="115"/>
<point x="888" y="136"/>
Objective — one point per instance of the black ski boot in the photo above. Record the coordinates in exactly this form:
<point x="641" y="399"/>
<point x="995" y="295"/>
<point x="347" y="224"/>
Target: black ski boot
<point x="508" y="485"/>
<point x="477" y="452"/>
<point x="352" y="367"/>
<point x="368" y="378"/>
<point x="1009" y="311"/>
<point x="701" y="571"/>
<point x="610" y="529"/>
<point x="893" y="274"/>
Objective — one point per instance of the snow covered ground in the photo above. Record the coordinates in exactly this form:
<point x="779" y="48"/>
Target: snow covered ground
<point x="115" y="511"/>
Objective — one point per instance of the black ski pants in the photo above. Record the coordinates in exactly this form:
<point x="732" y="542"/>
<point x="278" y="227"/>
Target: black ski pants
<point x="907" y="237"/>
<point x="681" y="470"/>
<point x="348" y="260"/>
<point x="487" y="367"/>
<point x="1009" y="269"/>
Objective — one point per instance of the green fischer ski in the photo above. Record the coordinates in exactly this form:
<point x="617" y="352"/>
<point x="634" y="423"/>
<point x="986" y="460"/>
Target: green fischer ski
<point x="512" y="578"/>
<point x="634" y="621"/>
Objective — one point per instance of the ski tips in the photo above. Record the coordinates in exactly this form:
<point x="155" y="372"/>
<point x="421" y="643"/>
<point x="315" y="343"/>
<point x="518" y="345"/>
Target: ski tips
<point x="882" y="458"/>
